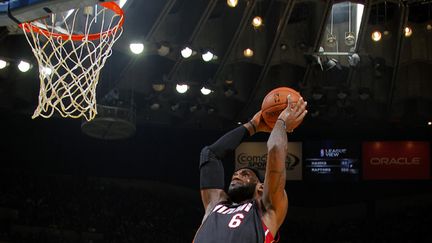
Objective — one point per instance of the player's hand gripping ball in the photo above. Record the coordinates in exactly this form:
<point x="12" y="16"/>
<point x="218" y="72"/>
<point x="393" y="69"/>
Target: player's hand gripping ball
<point x="275" y="102"/>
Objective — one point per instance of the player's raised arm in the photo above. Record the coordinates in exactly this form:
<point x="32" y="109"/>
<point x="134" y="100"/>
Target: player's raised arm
<point x="274" y="196"/>
<point x="211" y="167"/>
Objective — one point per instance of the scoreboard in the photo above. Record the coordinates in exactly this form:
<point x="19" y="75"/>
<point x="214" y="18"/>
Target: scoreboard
<point x="331" y="160"/>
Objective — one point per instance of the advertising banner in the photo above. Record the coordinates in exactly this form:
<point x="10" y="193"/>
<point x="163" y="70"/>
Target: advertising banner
<point x="254" y="154"/>
<point x="396" y="160"/>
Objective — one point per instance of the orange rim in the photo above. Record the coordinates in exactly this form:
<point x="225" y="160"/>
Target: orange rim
<point x="29" y="27"/>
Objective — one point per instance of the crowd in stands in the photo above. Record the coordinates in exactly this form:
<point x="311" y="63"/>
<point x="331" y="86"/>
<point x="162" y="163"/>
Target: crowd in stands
<point x="91" y="210"/>
<point x="62" y="209"/>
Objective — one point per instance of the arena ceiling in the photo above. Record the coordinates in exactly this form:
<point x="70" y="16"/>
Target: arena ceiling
<point x="389" y="88"/>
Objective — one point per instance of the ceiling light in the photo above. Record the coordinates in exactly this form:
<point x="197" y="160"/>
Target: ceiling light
<point x="376" y="35"/>
<point x="163" y="50"/>
<point x="182" y="88"/>
<point x="353" y="59"/>
<point x="175" y="107"/>
<point x="155" y="106"/>
<point x="229" y="81"/>
<point x="205" y="91"/>
<point x="429" y="27"/>
<point x="257" y="21"/>
<point x="46" y="71"/>
<point x="364" y="93"/>
<point x="232" y="3"/>
<point x="314" y="113"/>
<point x="158" y="87"/>
<point x="136" y="48"/>
<point x="186" y="52"/>
<point x="24" y="66"/>
<point x="211" y="110"/>
<point x="229" y="92"/>
<point x="350" y="39"/>
<point x="331" y="40"/>
<point x="342" y="94"/>
<point x="122" y="3"/>
<point x="430" y="123"/>
<point x="317" y="94"/>
<point x="408" y="31"/>
<point x="331" y="63"/>
<point x="193" y="108"/>
<point x="248" y="52"/>
<point x="207" y="56"/>
<point x="3" y="64"/>
<point x="315" y="59"/>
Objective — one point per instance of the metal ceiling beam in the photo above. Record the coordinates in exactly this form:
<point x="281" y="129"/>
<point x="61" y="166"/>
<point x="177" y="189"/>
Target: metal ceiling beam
<point x="198" y="28"/>
<point x="235" y="40"/>
<point x="167" y="8"/>
<point x="402" y="22"/>
<point x="327" y="9"/>
<point x="264" y="71"/>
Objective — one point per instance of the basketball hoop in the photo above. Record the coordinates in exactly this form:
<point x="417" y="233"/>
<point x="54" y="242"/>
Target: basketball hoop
<point x="71" y="51"/>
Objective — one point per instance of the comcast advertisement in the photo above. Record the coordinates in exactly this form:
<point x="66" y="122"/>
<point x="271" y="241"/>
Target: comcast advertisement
<point x="396" y="160"/>
<point x="254" y="154"/>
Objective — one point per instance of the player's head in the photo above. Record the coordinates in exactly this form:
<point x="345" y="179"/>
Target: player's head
<point x="244" y="185"/>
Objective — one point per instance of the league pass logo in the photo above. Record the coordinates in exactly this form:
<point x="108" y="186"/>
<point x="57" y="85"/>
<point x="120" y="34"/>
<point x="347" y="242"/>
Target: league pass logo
<point x="332" y="153"/>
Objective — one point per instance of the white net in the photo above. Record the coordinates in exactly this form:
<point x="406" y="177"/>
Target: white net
<point x="71" y="49"/>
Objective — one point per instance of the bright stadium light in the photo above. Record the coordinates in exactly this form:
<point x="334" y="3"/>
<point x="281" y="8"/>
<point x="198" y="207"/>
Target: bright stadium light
<point x="186" y="52"/>
<point x="136" y="48"/>
<point x="376" y="36"/>
<point x="205" y="91"/>
<point x="24" y="66"/>
<point x="46" y="71"/>
<point x="257" y="21"/>
<point x="248" y="52"/>
<point x="122" y="3"/>
<point x="207" y="56"/>
<point x="182" y="88"/>
<point x="232" y="3"/>
<point x="408" y="31"/>
<point x="3" y="64"/>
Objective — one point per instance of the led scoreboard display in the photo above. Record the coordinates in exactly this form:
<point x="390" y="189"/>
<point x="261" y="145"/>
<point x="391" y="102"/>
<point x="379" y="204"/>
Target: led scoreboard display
<point x="331" y="160"/>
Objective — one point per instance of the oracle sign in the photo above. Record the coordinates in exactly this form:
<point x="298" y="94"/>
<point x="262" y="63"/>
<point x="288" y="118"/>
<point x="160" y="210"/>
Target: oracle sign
<point x="396" y="160"/>
<point x="254" y="154"/>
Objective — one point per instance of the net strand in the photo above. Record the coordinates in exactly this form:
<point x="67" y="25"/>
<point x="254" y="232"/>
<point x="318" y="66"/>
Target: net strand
<point x="70" y="87"/>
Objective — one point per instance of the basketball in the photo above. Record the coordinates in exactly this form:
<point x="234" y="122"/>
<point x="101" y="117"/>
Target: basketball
<point x="275" y="102"/>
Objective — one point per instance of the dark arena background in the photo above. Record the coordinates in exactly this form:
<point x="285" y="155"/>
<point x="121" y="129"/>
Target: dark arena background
<point x="359" y="165"/>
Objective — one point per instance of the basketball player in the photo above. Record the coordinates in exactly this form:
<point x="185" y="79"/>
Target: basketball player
<point x="253" y="209"/>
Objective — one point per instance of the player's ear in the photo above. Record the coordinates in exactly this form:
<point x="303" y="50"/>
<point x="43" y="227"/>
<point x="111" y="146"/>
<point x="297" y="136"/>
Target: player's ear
<point x="260" y="187"/>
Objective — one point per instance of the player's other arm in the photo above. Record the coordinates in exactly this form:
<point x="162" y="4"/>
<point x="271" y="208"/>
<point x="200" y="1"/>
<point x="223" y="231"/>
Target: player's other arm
<point x="211" y="167"/>
<point x="275" y="199"/>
